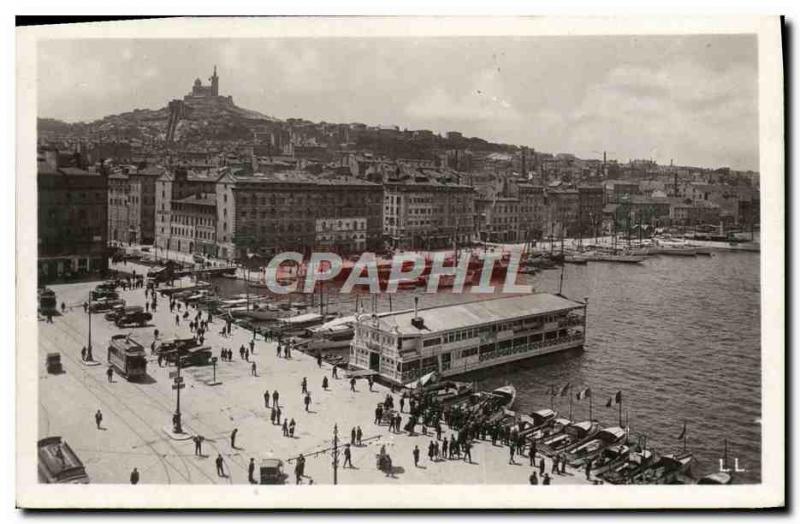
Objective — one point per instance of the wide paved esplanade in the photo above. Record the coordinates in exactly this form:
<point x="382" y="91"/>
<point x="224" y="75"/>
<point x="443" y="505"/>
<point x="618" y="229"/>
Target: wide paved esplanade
<point x="459" y="338"/>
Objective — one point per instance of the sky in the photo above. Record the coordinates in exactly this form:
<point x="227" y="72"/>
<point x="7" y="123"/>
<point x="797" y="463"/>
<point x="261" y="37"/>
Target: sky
<point x="691" y="99"/>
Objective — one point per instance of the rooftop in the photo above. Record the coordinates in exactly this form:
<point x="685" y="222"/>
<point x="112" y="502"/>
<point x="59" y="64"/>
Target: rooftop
<point x="457" y="316"/>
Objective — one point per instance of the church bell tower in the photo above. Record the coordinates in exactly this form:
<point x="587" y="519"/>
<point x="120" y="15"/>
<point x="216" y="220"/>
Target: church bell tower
<point x="214" y="83"/>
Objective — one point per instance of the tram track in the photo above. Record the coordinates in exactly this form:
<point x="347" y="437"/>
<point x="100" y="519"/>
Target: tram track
<point x="186" y="473"/>
<point x="74" y="334"/>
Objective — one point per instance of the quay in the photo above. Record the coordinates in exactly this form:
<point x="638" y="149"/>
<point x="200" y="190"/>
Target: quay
<point x="137" y="414"/>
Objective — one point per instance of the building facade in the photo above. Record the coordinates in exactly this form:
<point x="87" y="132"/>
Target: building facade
<point x="427" y="214"/>
<point x="72" y="220"/>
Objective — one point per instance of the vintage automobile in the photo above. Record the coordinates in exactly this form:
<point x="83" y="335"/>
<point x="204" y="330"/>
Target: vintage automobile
<point x="271" y="471"/>
<point x="133" y="315"/>
<point x="105" y="304"/>
<point x="58" y="464"/>
<point x="188" y="350"/>
<point x="53" y="363"/>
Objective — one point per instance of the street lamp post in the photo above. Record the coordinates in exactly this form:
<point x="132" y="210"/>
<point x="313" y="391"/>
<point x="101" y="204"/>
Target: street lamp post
<point x="177" y="386"/>
<point x="89" y="347"/>
<point x="335" y="454"/>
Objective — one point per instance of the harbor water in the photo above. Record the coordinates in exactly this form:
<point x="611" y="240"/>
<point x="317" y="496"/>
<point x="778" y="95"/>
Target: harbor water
<point x="678" y="336"/>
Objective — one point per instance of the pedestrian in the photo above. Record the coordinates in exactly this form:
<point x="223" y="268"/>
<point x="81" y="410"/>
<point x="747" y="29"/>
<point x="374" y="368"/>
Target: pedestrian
<point x="378" y="414"/>
<point x="325" y="383"/>
<point x="402" y="403"/>
<point x="359" y="434"/>
<point x="233" y="437"/>
<point x="275" y="396"/>
<point x="83" y="353"/>
<point x="85" y="307"/>
<point x="319" y="359"/>
<point x="220" y="466"/>
<point x="369" y="380"/>
<point x="278" y="414"/>
<point x="353" y="435"/>
<point x="554" y="466"/>
<point x="444" y="448"/>
<point x="416" y="456"/>
<point x="98" y="418"/>
<point x="347" y="458"/>
<point x="251" y="468"/>
<point x="546" y="480"/>
<point x="541" y="467"/>
<point x="588" y="469"/>
<point x="135" y="476"/>
<point x="533" y="479"/>
<point x="563" y="467"/>
<point x="253" y="369"/>
<point x="272" y="415"/>
<point x="177" y="320"/>
<point x="511" y="455"/>
<point x="304" y="385"/>
<point x="436" y="449"/>
<point x="278" y="347"/>
<point x="110" y="374"/>
<point x="198" y="445"/>
<point x="292" y="425"/>
<point x="285" y="428"/>
<point x="468" y="452"/>
<point x="63" y="308"/>
<point x="430" y="451"/>
<point x="253" y="345"/>
<point x="266" y="398"/>
<point x="299" y="467"/>
<point x="335" y="371"/>
<point x="246" y="355"/>
<point x="353" y="384"/>
<point x="307" y="400"/>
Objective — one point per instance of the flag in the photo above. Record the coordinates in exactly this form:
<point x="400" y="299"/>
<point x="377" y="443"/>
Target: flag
<point x="616" y="399"/>
<point x="683" y="432"/>
<point x="563" y="391"/>
<point x="585" y="392"/>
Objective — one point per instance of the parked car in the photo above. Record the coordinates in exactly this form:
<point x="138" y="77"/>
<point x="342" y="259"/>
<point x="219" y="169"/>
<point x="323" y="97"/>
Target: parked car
<point x="58" y="464"/>
<point x="134" y="315"/>
<point x="105" y="304"/>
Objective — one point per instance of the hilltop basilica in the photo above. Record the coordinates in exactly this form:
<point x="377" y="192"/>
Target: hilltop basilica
<point x="199" y="91"/>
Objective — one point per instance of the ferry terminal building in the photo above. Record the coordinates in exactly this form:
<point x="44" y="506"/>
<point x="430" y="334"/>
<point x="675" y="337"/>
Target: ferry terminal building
<point x="459" y="338"/>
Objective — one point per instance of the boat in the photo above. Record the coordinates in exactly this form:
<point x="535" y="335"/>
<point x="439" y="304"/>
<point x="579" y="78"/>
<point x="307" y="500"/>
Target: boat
<point x="573" y="436"/>
<point x="718" y="478"/>
<point x="298" y="324"/>
<point x="508" y="394"/>
<point x="619" y="258"/>
<point x="554" y="427"/>
<point x="331" y="336"/>
<point x="609" y="458"/>
<point x="575" y="259"/>
<point x="668" y="469"/>
<point x="539" y="420"/>
<point x="635" y="462"/>
<point x="592" y="448"/>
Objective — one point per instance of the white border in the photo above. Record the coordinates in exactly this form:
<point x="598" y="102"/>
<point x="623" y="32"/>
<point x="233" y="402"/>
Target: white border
<point x="769" y="493"/>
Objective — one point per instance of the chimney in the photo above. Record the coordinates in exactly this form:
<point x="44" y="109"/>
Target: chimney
<point x="417" y="321"/>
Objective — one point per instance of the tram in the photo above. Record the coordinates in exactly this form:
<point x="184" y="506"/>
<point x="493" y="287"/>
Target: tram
<point x="127" y="356"/>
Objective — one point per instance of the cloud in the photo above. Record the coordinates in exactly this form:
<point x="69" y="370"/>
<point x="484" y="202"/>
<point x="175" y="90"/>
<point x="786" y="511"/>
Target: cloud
<point x="675" y="110"/>
<point x="484" y="101"/>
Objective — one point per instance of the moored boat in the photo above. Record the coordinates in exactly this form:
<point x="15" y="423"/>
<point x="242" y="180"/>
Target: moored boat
<point x="593" y="447"/>
<point x="573" y="436"/>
